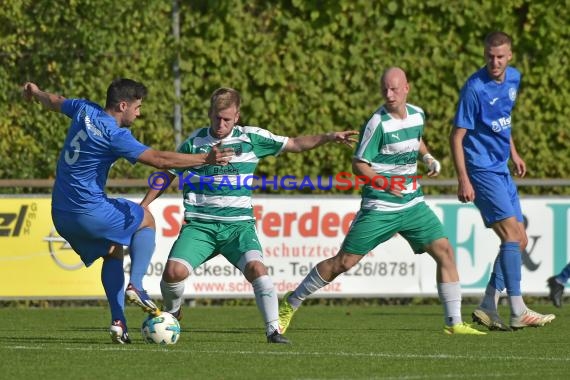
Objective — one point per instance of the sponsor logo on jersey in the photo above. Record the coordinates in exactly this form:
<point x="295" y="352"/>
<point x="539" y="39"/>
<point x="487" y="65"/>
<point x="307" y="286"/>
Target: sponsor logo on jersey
<point x="512" y="94"/>
<point x="501" y="124"/>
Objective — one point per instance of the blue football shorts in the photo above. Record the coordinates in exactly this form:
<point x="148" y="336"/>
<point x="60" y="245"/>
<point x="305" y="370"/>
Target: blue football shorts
<point x="91" y="235"/>
<point x="496" y="196"/>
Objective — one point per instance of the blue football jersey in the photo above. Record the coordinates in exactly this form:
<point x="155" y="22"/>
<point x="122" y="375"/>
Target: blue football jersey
<point x="484" y="109"/>
<point x="94" y="142"/>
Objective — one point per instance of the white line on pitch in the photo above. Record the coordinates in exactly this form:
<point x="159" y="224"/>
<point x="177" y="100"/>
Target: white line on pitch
<point x="300" y="353"/>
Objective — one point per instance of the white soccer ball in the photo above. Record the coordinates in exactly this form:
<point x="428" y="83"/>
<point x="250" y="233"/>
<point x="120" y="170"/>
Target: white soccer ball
<point x="162" y="329"/>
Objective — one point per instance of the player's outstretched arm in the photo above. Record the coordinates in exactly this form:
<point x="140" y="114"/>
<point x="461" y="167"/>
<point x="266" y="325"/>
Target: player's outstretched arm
<point x="158" y="187"/>
<point x="167" y="160"/>
<point x="304" y="143"/>
<point x="53" y="102"/>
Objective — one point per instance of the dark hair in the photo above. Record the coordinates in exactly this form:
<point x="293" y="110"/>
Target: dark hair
<point x="497" y="38"/>
<point x="123" y="89"/>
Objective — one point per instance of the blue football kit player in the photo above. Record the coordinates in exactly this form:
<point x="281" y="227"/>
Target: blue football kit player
<point x="556" y="285"/>
<point x="93" y="224"/>
<point x="481" y="144"/>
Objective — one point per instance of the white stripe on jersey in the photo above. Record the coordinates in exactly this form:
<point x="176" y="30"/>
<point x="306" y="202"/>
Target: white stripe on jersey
<point x="409" y="169"/>
<point x="190" y="215"/>
<point x="405" y="146"/>
<point x="369" y="130"/>
<point x="219" y="201"/>
<point x="394" y="125"/>
<point x="378" y="205"/>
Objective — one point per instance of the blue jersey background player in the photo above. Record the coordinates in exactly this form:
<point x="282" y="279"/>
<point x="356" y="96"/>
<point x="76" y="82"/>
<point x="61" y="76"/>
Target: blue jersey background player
<point x="556" y="285"/>
<point x="481" y="144"/>
<point x="94" y="224"/>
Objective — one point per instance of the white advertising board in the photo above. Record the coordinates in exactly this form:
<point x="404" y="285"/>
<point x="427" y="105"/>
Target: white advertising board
<point x="298" y="232"/>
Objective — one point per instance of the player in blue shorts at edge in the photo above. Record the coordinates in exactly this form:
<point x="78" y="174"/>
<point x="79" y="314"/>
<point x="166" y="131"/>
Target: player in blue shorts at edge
<point x="481" y="144"/>
<point x="556" y="285"/>
<point x="219" y="218"/>
<point x="389" y="145"/>
<point x="97" y="226"/>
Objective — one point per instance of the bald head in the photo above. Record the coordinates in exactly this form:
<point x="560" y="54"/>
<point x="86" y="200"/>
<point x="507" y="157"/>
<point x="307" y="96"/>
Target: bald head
<point x="394" y="73"/>
<point x="395" y="88"/>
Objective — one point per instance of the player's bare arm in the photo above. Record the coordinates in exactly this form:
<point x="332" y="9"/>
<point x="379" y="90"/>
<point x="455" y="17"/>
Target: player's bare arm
<point x="53" y="102"/>
<point x="433" y="165"/>
<point x="363" y="168"/>
<point x="168" y="160"/>
<point x="304" y="143"/>
<point x="465" y="192"/>
<point x="520" y="165"/>
<point x="156" y="191"/>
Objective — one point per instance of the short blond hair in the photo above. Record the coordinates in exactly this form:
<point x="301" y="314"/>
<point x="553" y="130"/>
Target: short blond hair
<point x="223" y="98"/>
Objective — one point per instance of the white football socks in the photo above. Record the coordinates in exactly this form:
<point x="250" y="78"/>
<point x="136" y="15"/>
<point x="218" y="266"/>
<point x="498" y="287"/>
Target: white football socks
<point x="172" y="295"/>
<point x="450" y="297"/>
<point x="267" y="302"/>
<point x="308" y="286"/>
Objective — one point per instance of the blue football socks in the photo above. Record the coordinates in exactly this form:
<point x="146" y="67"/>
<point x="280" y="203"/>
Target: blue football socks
<point x="497" y="279"/>
<point x="113" y="279"/>
<point x="141" y="250"/>
<point x="510" y="259"/>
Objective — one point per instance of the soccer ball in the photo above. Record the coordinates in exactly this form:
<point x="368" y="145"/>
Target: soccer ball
<point x="162" y="329"/>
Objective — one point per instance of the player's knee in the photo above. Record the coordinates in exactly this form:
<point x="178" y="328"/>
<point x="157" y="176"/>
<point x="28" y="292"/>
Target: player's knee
<point x="514" y="234"/>
<point x="254" y="269"/>
<point x="343" y="262"/>
<point x="514" y="238"/>
<point x="447" y="254"/>
<point x="175" y="272"/>
<point x="148" y="220"/>
<point x="116" y="252"/>
<point x="343" y="266"/>
<point x="523" y="242"/>
<point x="442" y="252"/>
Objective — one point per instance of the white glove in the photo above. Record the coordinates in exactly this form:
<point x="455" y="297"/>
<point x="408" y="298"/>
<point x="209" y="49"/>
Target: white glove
<point x="433" y="165"/>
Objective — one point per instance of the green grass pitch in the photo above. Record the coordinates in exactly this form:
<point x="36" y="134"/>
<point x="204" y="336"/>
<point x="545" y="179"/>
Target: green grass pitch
<point x="329" y="342"/>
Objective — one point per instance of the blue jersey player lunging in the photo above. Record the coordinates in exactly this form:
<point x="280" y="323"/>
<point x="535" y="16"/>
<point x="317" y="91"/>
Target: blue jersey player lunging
<point x="481" y="144"/>
<point x="94" y="224"/>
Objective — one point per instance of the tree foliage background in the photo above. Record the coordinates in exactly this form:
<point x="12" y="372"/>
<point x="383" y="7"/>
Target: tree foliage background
<point x="303" y="67"/>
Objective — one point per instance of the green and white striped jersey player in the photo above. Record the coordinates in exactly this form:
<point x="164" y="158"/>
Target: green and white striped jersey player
<point x="219" y="214"/>
<point x="223" y="193"/>
<point x="389" y="145"/>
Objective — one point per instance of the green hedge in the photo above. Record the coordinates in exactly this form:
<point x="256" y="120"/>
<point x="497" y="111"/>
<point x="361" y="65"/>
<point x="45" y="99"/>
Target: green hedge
<point x="303" y="67"/>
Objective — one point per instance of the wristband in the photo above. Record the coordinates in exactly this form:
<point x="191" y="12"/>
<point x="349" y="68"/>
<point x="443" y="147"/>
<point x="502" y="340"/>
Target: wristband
<point x="427" y="157"/>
